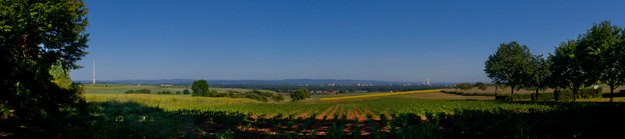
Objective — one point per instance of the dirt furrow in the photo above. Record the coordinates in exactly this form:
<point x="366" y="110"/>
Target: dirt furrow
<point x="320" y="116"/>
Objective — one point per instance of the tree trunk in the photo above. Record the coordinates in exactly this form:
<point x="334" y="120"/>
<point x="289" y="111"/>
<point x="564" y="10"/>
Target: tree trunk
<point x="496" y="88"/>
<point x="512" y="94"/>
<point x="575" y="94"/>
<point x="536" y="97"/>
<point x="611" y="92"/>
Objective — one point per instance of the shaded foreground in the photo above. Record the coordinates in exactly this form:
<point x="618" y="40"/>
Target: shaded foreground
<point x="114" y="119"/>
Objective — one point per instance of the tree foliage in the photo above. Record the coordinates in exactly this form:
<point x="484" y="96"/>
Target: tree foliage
<point x="200" y="88"/>
<point x="604" y="51"/>
<point x="277" y="98"/>
<point x="569" y="69"/>
<point x="538" y="74"/>
<point x="299" y="94"/>
<point x="464" y="86"/>
<point x="36" y="36"/>
<point x="186" y="92"/>
<point x="509" y="65"/>
<point x="482" y="87"/>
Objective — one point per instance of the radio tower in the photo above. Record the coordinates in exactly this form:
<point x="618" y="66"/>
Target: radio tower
<point x="93" y="69"/>
<point x="428" y="80"/>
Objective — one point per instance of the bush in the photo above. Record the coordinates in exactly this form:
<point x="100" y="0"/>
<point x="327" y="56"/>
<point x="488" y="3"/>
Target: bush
<point x="543" y="96"/>
<point x="178" y="92"/>
<point x="277" y="98"/>
<point x="256" y="97"/>
<point x="140" y="91"/>
<point x="567" y="95"/>
<point x="464" y="86"/>
<point x="186" y="92"/>
<point x="299" y="94"/>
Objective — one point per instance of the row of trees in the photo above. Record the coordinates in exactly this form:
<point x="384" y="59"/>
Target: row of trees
<point x="598" y="56"/>
<point x="467" y="86"/>
<point x="140" y="91"/>
<point x="201" y="88"/>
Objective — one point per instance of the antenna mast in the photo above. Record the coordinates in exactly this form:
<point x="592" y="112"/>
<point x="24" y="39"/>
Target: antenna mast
<point x="93" y="69"/>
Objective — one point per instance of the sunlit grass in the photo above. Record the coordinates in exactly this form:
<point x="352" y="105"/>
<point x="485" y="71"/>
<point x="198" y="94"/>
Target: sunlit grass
<point x="380" y="94"/>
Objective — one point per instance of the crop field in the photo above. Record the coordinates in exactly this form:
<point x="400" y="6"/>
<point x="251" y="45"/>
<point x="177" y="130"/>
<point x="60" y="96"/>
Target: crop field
<point x="404" y="115"/>
<point x="379" y="94"/>
<point x="415" y="114"/>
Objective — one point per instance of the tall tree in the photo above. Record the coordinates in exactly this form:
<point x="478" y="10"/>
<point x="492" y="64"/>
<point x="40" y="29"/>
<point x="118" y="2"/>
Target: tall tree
<point x="538" y="74"/>
<point x="508" y="65"/>
<point x="200" y="88"/>
<point x="605" y="52"/>
<point x="36" y="35"/>
<point x="569" y="69"/>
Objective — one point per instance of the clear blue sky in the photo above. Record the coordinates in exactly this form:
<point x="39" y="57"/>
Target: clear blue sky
<point x="447" y="41"/>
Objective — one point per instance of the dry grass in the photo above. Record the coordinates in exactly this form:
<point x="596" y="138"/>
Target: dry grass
<point x="491" y="90"/>
<point x="447" y="96"/>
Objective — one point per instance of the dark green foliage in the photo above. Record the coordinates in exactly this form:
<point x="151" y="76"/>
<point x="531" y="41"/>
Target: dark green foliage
<point x="277" y="98"/>
<point x="572" y="120"/>
<point x="299" y="94"/>
<point x="478" y="84"/>
<point x="36" y="36"/>
<point x="178" y="92"/>
<point x="570" y="67"/>
<point x="200" y="88"/>
<point x="543" y="97"/>
<point x="164" y="92"/>
<point x="140" y="91"/>
<point x="186" y="92"/>
<point x="566" y="95"/>
<point x="256" y="97"/>
<point x="509" y="65"/>
<point x="482" y="87"/>
<point x="464" y="86"/>
<point x="604" y="53"/>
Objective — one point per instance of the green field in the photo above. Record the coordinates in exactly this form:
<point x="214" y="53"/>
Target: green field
<point x="112" y="114"/>
<point x="120" y="89"/>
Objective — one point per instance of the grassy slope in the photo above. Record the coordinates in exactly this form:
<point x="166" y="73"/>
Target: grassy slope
<point x="120" y="89"/>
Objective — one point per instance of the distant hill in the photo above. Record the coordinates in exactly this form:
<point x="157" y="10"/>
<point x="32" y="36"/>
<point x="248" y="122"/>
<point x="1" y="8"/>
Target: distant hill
<point x="251" y="82"/>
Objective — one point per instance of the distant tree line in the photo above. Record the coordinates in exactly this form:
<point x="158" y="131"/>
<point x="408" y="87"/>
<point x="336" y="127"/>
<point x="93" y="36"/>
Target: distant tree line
<point x="140" y="91"/>
<point x="597" y="56"/>
<point x="289" y="88"/>
<point x="201" y="88"/>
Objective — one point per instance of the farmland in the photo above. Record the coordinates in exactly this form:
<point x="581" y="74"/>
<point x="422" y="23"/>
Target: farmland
<point x="424" y="114"/>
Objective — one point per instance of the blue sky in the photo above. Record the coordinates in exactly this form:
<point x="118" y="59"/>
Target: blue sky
<point x="447" y="41"/>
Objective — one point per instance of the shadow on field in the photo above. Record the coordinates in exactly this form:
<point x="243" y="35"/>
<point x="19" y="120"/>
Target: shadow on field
<point x="569" y="120"/>
<point x="616" y="94"/>
<point x="133" y="120"/>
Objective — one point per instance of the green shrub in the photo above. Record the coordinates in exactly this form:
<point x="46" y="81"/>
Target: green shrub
<point x="299" y="94"/>
<point x="542" y="96"/>
<point x="277" y="98"/>
<point x="256" y="97"/>
<point x="567" y="95"/>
